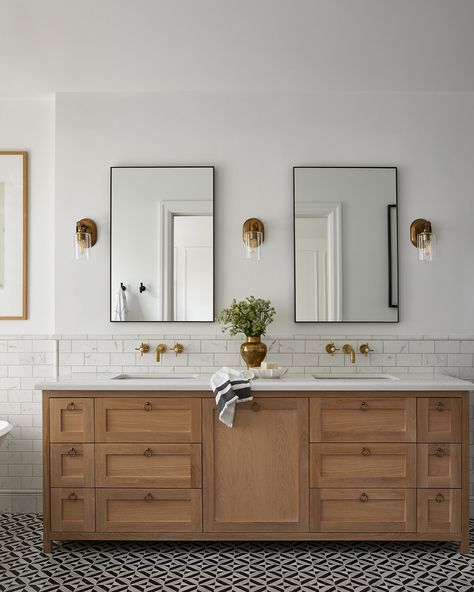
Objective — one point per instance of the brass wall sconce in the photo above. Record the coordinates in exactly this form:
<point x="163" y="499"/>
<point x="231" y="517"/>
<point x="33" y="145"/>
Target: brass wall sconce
<point x="253" y="234"/>
<point x="85" y="238"/>
<point x="422" y="237"/>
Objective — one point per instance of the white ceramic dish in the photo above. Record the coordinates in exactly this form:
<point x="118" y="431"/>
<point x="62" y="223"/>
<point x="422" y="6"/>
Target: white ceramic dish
<point x="270" y="372"/>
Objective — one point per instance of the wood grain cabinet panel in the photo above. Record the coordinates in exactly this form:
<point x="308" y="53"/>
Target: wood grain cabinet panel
<point x="439" y="510"/>
<point x="439" y="420"/>
<point x="148" y="419"/>
<point x="72" y="465"/>
<point x="439" y="465"/>
<point x="72" y="510"/>
<point x="142" y="510"/>
<point x="71" y="420"/>
<point x="256" y="474"/>
<point x="363" y="465"/>
<point x="363" y="510"/>
<point x="148" y="465"/>
<point x="363" y="419"/>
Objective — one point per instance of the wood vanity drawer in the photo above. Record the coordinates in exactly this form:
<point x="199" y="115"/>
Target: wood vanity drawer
<point x="148" y="419"/>
<point x="363" y="465"/>
<point x="72" y="465"/>
<point x="71" y="420"/>
<point x="363" y="419"/>
<point x="439" y="420"/>
<point x="439" y="465"/>
<point x="439" y="510"/>
<point x="363" y="510"/>
<point x="72" y="510"/>
<point x="149" y="510"/>
<point x="148" y="465"/>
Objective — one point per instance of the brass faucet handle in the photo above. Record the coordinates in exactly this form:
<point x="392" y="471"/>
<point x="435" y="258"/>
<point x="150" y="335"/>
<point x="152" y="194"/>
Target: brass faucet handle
<point x="365" y="349"/>
<point x="143" y="349"/>
<point x="178" y="348"/>
<point x="331" y="348"/>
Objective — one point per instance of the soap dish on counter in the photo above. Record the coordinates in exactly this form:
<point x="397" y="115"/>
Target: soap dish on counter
<point x="270" y="372"/>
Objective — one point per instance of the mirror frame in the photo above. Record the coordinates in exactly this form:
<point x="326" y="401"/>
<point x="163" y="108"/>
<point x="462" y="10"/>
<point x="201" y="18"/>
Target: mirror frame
<point x="24" y="239"/>
<point x="182" y="166"/>
<point x="392" y="278"/>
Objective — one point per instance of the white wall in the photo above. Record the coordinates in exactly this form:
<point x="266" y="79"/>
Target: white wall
<point x="254" y="140"/>
<point x="29" y="125"/>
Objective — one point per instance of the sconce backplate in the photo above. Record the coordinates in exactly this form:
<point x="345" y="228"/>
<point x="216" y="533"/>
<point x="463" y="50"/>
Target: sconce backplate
<point x="253" y="224"/>
<point x="88" y="225"/>
<point x="417" y="227"/>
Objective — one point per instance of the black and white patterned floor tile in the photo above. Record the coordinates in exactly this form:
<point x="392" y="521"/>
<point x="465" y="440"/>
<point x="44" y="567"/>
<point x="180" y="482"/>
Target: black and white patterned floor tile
<point x="223" y="567"/>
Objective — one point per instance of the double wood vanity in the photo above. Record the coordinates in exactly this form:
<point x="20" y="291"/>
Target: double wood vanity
<point x="297" y="465"/>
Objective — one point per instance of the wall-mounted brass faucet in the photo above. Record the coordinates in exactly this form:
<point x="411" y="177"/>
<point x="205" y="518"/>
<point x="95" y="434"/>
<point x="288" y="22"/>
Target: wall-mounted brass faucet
<point x="160" y="349"/>
<point x="348" y="349"/>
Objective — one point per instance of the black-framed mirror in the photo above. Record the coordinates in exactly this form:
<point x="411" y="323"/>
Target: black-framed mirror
<point x="345" y="244"/>
<point x="162" y="243"/>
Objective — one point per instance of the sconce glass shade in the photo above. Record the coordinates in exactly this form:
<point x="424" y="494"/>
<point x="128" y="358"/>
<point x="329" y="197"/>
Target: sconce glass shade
<point x="83" y="244"/>
<point x="253" y="241"/>
<point x="426" y="243"/>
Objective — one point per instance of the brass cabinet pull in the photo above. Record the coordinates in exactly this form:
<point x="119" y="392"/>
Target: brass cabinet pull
<point x="365" y="451"/>
<point x="439" y="452"/>
<point x="71" y="406"/>
<point x="148" y="497"/>
<point x="72" y="452"/>
<point x="439" y="498"/>
<point x="72" y="496"/>
<point x="147" y="452"/>
<point x="440" y="406"/>
<point x="364" y="406"/>
<point x="147" y="406"/>
<point x="364" y="498"/>
<point x="255" y="406"/>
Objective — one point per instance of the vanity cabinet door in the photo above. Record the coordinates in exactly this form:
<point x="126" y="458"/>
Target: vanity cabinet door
<point x="72" y="510"/>
<point x="439" y="510"/>
<point x="148" y="419"/>
<point x="363" y="419"/>
<point x="363" y="465"/>
<point x="71" y="420"/>
<point x="148" y="465"/>
<point x="439" y="420"/>
<point x="149" y="510"/>
<point x="439" y="465"/>
<point x="256" y="474"/>
<point x="72" y="465"/>
<point x="363" y="510"/>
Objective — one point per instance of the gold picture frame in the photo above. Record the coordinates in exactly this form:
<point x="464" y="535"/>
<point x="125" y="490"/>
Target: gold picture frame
<point x="13" y="306"/>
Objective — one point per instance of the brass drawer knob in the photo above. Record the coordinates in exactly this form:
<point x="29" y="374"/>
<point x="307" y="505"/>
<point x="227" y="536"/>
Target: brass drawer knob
<point x="364" y="498"/>
<point x="439" y="498"/>
<point x="147" y="406"/>
<point x="70" y="406"/>
<point x="148" y="497"/>
<point x="255" y="406"/>
<point x="365" y="451"/>
<point x="439" y="452"/>
<point x="147" y="452"/>
<point x="72" y="496"/>
<point x="440" y="406"/>
<point x="72" y="452"/>
<point x="364" y="406"/>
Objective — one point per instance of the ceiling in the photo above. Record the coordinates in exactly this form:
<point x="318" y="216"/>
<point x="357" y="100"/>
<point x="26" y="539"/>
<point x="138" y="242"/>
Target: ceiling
<point x="49" y="46"/>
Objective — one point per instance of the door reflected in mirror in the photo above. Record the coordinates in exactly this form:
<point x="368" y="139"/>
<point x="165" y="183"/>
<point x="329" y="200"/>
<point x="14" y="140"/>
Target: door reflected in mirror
<point x="162" y="239"/>
<point x="346" y="252"/>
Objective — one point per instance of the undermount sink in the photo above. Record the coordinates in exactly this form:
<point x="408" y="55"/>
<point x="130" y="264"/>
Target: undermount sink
<point x="155" y="376"/>
<point x="360" y="376"/>
<point x="5" y="427"/>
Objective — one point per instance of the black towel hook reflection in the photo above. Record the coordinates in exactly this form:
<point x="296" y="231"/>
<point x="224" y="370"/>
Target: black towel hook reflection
<point x="122" y="286"/>
<point x="142" y="288"/>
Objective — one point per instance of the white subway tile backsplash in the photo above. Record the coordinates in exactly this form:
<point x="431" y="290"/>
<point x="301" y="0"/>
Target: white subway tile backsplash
<point x="447" y="347"/>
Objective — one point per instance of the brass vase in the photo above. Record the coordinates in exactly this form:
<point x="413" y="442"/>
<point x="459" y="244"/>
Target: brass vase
<point x="253" y="351"/>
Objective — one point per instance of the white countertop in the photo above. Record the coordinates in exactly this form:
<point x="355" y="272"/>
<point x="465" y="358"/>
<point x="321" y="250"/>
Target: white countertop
<point x="104" y="382"/>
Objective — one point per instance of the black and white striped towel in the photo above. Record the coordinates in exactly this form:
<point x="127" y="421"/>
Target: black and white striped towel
<point x="230" y="387"/>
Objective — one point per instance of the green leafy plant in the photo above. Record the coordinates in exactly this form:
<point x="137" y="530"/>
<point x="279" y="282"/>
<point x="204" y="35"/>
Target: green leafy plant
<point x="250" y="316"/>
